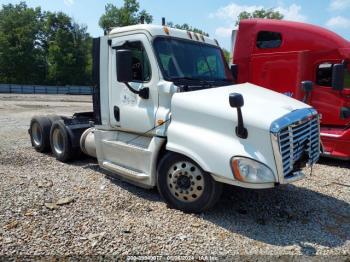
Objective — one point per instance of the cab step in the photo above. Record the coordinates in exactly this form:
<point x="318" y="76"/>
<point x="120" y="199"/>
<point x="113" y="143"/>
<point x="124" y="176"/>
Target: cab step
<point x="133" y="174"/>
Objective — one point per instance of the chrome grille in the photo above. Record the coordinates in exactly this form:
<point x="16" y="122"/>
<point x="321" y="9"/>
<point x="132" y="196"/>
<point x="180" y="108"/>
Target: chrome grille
<point x="297" y="140"/>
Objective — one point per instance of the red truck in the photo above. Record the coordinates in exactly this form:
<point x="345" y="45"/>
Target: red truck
<point x="304" y="61"/>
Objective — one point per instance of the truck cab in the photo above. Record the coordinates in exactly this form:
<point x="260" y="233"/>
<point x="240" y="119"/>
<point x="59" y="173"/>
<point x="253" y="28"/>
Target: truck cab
<point x="167" y="115"/>
<point x="284" y="56"/>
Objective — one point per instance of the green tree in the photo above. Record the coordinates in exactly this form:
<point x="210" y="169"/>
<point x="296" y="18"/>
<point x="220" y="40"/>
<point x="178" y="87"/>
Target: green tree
<point x="187" y="27"/>
<point x="261" y="13"/>
<point x="21" y="53"/>
<point x="226" y="55"/>
<point x="68" y="52"/>
<point x="42" y="47"/>
<point x="128" y="14"/>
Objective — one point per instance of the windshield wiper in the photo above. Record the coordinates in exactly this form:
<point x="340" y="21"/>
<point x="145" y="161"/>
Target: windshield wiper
<point x="223" y="80"/>
<point x="209" y="82"/>
<point x="193" y="79"/>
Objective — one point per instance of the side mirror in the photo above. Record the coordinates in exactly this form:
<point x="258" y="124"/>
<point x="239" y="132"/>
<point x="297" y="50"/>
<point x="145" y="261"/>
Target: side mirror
<point x="124" y="72"/>
<point x="307" y="87"/>
<point x="124" y="66"/>
<point x="236" y="101"/>
<point x="338" y="75"/>
<point x="234" y="72"/>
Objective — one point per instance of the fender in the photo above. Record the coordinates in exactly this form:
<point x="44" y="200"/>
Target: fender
<point x="214" y="155"/>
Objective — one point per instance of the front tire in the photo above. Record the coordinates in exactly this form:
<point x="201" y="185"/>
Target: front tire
<point x="186" y="186"/>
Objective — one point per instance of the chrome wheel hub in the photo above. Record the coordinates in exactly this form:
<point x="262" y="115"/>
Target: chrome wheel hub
<point x="57" y="141"/>
<point x="185" y="181"/>
<point x="36" y="134"/>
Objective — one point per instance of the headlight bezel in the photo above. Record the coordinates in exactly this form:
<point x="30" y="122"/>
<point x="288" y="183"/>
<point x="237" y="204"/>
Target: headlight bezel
<point x="267" y="177"/>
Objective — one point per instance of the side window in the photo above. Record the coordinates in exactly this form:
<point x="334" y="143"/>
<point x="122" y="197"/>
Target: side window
<point x="267" y="39"/>
<point x="141" y="68"/>
<point x="347" y="78"/>
<point x="324" y="74"/>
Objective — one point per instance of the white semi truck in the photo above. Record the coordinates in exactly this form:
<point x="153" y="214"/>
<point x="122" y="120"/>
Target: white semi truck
<point x="167" y="114"/>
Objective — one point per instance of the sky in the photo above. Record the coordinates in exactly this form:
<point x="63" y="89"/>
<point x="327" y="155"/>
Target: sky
<point x="214" y="17"/>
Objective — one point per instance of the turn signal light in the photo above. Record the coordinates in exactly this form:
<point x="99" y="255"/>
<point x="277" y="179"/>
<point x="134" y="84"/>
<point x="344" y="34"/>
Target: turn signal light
<point x="160" y="122"/>
<point x="236" y="171"/>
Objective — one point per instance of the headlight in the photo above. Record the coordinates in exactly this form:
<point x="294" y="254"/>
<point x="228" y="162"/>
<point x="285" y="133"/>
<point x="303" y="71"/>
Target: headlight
<point x="250" y="171"/>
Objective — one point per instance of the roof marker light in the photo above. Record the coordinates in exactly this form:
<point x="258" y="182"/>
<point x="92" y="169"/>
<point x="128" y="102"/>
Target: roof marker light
<point x="166" y="30"/>
<point x="189" y="34"/>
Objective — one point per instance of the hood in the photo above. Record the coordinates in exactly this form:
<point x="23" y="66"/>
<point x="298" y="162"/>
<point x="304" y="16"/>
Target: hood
<point x="203" y="126"/>
<point x="261" y="106"/>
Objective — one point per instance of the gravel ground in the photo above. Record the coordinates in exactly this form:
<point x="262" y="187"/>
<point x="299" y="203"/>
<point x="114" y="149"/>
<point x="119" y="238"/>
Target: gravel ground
<point x="50" y="208"/>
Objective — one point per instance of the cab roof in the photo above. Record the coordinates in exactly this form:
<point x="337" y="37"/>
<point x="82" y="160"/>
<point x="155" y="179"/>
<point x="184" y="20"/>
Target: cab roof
<point x="158" y="30"/>
<point x="312" y="32"/>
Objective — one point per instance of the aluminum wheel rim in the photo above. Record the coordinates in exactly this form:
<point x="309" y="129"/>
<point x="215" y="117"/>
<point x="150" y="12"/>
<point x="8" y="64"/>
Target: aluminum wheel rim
<point x="185" y="181"/>
<point x="57" y="141"/>
<point x="36" y="134"/>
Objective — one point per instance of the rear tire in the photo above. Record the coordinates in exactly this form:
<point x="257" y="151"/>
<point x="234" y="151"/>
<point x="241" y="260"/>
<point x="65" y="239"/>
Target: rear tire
<point x="53" y="118"/>
<point x="61" y="145"/>
<point x="186" y="186"/>
<point x="39" y="132"/>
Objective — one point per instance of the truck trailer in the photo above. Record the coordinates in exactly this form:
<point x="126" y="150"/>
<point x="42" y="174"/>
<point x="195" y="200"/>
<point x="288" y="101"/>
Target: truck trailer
<point x="303" y="61"/>
<point x="166" y="114"/>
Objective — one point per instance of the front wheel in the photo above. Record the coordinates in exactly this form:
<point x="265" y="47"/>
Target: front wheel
<point x="185" y="185"/>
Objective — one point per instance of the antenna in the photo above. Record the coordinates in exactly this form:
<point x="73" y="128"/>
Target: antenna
<point x="163" y="21"/>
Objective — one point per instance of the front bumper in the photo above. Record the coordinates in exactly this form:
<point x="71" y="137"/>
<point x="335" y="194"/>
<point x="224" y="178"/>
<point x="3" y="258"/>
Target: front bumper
<point x="336" y="142"/>
<point x="295" y="176"/>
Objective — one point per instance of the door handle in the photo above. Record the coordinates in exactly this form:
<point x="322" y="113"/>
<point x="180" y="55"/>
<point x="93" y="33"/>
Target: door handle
<point x="116" y="112"/>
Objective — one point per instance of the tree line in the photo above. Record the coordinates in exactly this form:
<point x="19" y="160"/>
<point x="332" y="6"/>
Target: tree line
<point x="50" y="48"/>
<point x="40" y="47"/>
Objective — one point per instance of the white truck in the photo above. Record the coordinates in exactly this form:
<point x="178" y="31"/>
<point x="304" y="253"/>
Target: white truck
<point x="167" y="114"/>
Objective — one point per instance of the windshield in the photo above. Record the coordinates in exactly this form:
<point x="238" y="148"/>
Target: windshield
<point x="183" y="59"/>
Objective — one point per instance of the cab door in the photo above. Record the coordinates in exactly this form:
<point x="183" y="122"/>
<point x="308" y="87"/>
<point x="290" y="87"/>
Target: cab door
<point x="331" y="104"/>
<point x="128" y="111"/>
